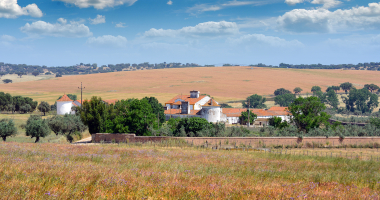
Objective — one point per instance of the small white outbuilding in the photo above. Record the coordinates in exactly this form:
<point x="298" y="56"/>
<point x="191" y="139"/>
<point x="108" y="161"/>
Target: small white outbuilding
<point x="64" y="105"/>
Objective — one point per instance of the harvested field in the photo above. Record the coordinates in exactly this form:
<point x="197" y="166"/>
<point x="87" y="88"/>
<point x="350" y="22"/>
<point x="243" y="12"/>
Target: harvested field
<point x="223" y="83"/>
<point x="58" y="171"/>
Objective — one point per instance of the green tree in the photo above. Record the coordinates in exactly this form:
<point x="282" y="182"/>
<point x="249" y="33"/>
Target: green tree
<point x="336" y="88"/>
<point x="7" y="81"/>
<point x="7" y="128"/>
<point x="55" y="124"/>
<point x="37" y="127"/>
<point x="225" y="105"/>
<point x="94" y="114"/>
<point x="347" y="86"/>
<point x="158" y="109"/>
<point x="71" y="125"/>
<point x="297" y="90"/>
<point x="361" y="100"/>
<point x="315" y="89"/>
<point x="375" y="121"/>
<point x="277" y="122"/>
<point x="191" y="125"/>
<point x="20" y="74"/>
<point x="36" y="73"/>
<point x="244" y="117"/>
<point x="371" y="87"/>
<point x="331" y="98"/>
<point x="44" y="107"/>
<point x="281" y="91"/>
<point x="307" y="113"/>
<point x="284" y="100"/>
<point x="255" y="101"/>
<point x="25" y="108"/>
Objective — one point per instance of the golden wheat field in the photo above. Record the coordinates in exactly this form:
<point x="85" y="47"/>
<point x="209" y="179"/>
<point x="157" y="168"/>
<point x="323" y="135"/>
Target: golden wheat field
<point x="223" y="83"/>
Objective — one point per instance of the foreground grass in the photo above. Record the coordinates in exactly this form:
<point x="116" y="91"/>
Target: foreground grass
<point x="61" y="171"/>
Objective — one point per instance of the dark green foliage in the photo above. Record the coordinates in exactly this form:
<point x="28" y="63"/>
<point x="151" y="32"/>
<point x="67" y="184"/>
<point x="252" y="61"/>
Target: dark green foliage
<point x="35" y="73"/>
<point x="297" y="90"/>
<point x="48" y="73"/>
<point x="244" y="117"/>
<point x="16" y="103"/>
<point x="71" y="96"/>
<point x="225" y="105"/>
<point x="7" y="128"/>
<point x="190" y="127"/>
<point x="277" y="122"/>
<point x="375" y="122"/>
<point x="94" y="114"/>
<point x="307" y="113"/>
<point x="158" y="109"/>
<point x="7" y="81"/>
<point x="20" y="74"/>
<point x="37" y="127"/>
<point x="25" y="108"/>
<point x="331" y="98"/>
<point x="67" y="125"/>
<point x="44" y="107"/>
<point x="346" y="86"/>
<point x="256" y="101"/>
<point x="371" y="87"/>
<point x="361" y="100"/>
<point x="58" y="75"/>
<point x="282" y="91"/>
<point x="315" y="89"/>
<point x="55" y="124"/>
<point x="284" y="100"/>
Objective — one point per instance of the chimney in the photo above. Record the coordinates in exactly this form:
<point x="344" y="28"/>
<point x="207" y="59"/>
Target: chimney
<point x="194" y="94"/>
<point x="185" y="108"/>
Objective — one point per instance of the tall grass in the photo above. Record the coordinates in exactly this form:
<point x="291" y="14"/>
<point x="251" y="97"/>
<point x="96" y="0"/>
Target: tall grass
<point x="61" y="171"/>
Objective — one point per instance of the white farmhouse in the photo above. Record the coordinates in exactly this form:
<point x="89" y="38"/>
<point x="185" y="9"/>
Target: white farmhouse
<point x="64" y="105"/>
<point x="195" y="105"/>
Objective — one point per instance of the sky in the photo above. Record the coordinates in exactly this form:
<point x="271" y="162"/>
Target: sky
<point x="207" y="32"/>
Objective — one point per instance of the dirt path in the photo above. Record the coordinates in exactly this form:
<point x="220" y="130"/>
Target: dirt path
<point x="84" y="141"/>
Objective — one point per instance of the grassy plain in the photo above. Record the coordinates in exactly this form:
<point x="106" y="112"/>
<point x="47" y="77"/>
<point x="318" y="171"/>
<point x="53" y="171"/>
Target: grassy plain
<point x="223" y="83"/>
<point x="59" y="171"/>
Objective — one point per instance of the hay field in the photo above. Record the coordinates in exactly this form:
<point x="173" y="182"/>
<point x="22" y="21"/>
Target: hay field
<point x="223" y="83"/>
<point x="25" y="78"/>
<point x="59" y="171"/>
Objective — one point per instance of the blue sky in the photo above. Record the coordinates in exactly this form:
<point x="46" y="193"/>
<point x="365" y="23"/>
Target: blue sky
<point x="68" y="32"/>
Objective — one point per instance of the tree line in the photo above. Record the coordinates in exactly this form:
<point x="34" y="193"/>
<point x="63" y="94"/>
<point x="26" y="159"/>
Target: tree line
<point x="374" y="66"/>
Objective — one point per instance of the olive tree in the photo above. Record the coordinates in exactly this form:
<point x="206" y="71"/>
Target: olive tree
<point x="44" y="107"/>
<point x="37" y="127"/>
<point x="297" y="90"/>
<point x="7" y="128"/>
<point x="347" y="86"/>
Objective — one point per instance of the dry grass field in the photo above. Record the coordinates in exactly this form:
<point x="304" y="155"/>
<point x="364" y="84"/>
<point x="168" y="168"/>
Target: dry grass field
<point x="223" y="83"/>
<point x="59" y="171"/>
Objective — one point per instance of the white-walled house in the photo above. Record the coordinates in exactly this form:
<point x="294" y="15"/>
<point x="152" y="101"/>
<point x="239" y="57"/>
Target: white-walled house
<point x="195" y="105"/>
<point x="64" y="105"/>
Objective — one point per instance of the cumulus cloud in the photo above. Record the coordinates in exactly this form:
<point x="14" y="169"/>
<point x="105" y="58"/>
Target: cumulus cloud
<point x="199" y="8"/>
<point x="100" y="19"/>
<point x="260" y="39"/>
<point x="327" y="3"/>
<point x="108" y="41"/>
<point x="10" y="9"/>
<point x="60" y="29"/>
<point x="323" y="20"/>
<point x="98" y="4"/>
<point x="169" y="2"/>
<point x="120" y="25"/>
<point x="210" y="29"/>
<point x="293" y="2"/>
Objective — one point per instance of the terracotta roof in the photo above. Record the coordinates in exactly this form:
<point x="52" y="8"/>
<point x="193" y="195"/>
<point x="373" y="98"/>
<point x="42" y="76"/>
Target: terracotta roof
<point x="211" y="102"/>
<point x="64" y="98"/>
<point x="178" y="111"/>
<point x="277" y="108"/>
<point x="187" y="98"/>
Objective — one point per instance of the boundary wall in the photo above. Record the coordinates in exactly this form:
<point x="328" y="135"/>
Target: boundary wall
<point x="252" y="141"/>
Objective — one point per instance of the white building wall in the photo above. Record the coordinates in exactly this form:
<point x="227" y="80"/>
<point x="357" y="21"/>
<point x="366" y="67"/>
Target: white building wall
<point x="64" y="107"/>
<point x="198" y="105"/>
<point x="211" y="113"/>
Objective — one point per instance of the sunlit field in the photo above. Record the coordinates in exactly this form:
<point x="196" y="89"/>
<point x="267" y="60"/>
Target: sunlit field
<point x="61" y="171"/>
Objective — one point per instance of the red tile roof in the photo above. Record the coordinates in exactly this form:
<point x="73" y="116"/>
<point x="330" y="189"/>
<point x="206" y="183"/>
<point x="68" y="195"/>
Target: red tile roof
<point x="178" y="111"/>
<point x="211" y="102"/>
<point x="64" y="98"/>
<point x="187" y="98"/>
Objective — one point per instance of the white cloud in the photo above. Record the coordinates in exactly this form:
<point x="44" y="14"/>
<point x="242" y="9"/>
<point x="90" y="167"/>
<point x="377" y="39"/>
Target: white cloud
<point x="108" y="41"/>
<point x="323" y="20"/>
<point x="169" y="2"/>
<point x="293" y="2"/>
<point x="98" y="4"/>
<point x="199" y="8"/>
<point x="10" y="9"/>
<point x="7" y="38"/>
<point x="202" y="29"/>
<point x="120" y="25"/>
<point x="60" y="29"/>
<point x="100" y="19"/>
<point x="260" y="39"/>
<point x="327" y="3"/>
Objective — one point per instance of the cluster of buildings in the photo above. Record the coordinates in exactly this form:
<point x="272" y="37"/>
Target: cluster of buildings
<point x="194" y="105"/>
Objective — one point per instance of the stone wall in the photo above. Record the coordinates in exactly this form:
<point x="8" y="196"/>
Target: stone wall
<point x="253" y="141"/>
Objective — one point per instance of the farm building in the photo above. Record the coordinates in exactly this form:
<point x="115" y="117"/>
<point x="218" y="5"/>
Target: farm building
<point x="196" y="105"/>
<point x="65" y="104"/>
